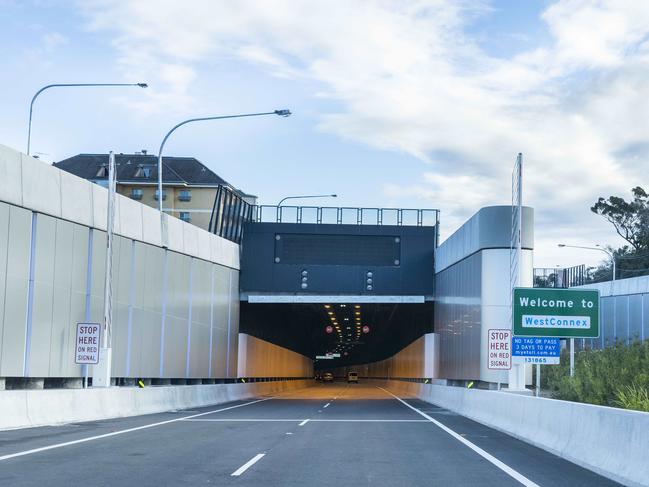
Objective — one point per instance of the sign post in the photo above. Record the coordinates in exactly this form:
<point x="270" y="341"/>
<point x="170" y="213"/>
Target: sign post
<point x="499" y="354"/>
<point x="562" y="313"/>
<point x="542" y="316"/>
<point x="86" y="349"/>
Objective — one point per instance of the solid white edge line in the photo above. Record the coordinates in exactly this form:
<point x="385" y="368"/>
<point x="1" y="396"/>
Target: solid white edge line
<point x="327" y="405"/>
<point x="303" y="422"/>
<point x="247" y="465"/>
<point x="487" y="456"/>
<point x="115" y="433"/>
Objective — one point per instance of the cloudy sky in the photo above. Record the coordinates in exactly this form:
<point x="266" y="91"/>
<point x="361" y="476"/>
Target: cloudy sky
<point x="421" y="103"/>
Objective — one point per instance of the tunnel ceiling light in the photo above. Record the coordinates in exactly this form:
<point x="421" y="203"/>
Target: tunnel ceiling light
<point x="330" y="312"/>
<point x="327" y="306"/>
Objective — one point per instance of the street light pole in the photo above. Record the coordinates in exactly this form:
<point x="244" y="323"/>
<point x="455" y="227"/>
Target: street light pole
<point x="607" y="252"/>
<point x="612" y="256"/>
<point x="281" y="113"/>
<point x="306" y="196"/>
<point x="67" y="85"/>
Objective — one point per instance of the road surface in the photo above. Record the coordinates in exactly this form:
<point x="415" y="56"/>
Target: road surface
<point x="326" y="435"/>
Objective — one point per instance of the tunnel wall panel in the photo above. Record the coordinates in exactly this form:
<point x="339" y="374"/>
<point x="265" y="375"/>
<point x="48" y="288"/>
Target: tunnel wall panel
<point x="259" y="358"/>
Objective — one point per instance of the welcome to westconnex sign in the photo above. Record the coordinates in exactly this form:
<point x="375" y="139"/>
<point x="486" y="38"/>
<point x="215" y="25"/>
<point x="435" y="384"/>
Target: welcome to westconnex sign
<point x="556" y="312"/>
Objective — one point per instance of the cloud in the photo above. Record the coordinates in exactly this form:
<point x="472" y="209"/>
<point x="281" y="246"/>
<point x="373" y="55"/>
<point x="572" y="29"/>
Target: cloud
<point x="409" y="77"/>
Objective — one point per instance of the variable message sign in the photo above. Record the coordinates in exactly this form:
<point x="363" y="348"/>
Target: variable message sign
<point x="565" y="313"/>
<point x="536" y="350"/>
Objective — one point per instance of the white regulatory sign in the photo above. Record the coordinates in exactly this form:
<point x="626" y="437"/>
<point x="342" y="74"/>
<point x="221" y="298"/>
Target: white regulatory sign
<point x="86" y="350"/>
<point x="500" y="349"/>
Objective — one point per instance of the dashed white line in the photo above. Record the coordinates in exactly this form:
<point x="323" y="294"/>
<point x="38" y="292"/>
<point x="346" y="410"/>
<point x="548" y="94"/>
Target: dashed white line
<point x="120" y="432"/>
<point x="303" y="422"/>
<point x="487" y="456"/>
<point x="327" y="405"/>
<point x="247" y="465"/>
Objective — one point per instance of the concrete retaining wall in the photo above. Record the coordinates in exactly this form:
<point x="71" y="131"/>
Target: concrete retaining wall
<point x="28" y="408"/>
<point x="612" y="442"/>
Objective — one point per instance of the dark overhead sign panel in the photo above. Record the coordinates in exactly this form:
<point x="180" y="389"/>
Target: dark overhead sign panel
<point x="323" y="249"/>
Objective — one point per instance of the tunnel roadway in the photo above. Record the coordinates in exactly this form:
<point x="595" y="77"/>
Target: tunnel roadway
<point x="328" y="434"/>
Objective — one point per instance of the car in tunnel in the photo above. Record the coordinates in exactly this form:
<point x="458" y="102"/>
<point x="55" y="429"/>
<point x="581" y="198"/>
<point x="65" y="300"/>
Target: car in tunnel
<point x="327" y="377"/>
<point x="352" y="377"/>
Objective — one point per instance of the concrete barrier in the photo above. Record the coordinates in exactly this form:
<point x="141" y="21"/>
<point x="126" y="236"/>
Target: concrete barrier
<point x="612" y="442"/>
<point x="29" y="408"/>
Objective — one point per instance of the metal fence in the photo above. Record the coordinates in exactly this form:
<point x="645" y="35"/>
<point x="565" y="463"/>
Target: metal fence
<point x="345" y="215"/>
<point x="548" y="277"/>
<point x="229" y="213"/>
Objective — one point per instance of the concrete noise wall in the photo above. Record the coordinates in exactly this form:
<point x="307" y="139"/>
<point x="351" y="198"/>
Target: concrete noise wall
<point x="259" y="358"/>
<point x="175" y="309"/>
<point x="612" y="442"/>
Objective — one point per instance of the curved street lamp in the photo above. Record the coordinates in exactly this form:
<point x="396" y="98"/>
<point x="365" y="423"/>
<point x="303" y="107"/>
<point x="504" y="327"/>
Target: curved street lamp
<point x="281" y="113"/>
<point x="610" y="254"/>
<point x="67" y="85"/>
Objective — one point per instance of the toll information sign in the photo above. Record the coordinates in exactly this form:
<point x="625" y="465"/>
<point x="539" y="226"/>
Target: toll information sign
<point x="499" y="352"/>
<point x="565" y="313"/>
<point x="87" y="344"/>
<point x="536" y="350"/>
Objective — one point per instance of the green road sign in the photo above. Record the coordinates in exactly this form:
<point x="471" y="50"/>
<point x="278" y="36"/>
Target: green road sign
<point x="565" y="313"/>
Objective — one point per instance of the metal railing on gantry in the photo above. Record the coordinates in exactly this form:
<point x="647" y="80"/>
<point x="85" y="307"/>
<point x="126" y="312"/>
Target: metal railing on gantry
<point x="345" y="215"/>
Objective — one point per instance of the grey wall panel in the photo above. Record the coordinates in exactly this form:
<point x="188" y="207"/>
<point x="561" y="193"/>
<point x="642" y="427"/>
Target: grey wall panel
<point x="220" y="320"/>
<point x="4" y="245"/>
<point x="122" y="253"/>
<point x="608" y="322"/>
<point x="635" y="317"/>
<point x="43" y="300"/>
<point x="234" y="324"/>
<point x="200" y="329"/>
<point x="175" y="339"/>
<point x="622" y="319"/>
<point x="16" y="290"/>
<point x="147" y="310"/>
<point x="68" y="308"/>
<point x="458" y="318"/>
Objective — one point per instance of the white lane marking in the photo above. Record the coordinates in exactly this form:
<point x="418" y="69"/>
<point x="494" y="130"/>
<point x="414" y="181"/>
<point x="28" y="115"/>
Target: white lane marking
<point x="120" y="432"/>
<point x="327" y="405"/>
<point x="266" y="420"/>
<point x="247" y="465"/>
<point x="487" y="456"/>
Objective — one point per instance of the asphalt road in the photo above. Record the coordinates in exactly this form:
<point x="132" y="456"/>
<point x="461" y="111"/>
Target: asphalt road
<point x="334" y="434"/>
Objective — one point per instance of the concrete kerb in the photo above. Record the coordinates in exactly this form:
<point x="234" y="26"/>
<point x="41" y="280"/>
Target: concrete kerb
<point x="609" y="441"/>
<point x="30" y="408"/>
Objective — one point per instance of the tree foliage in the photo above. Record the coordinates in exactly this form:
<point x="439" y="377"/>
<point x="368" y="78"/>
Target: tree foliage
<point x="630" y="218"/>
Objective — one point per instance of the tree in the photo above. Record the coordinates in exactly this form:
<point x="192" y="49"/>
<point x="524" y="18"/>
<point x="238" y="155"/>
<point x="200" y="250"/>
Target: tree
<point x="630" y="218"/>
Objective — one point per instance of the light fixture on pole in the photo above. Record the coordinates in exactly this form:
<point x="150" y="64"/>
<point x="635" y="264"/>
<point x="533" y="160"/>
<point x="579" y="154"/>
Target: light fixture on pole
<point x="101" y="372"/>
<point x="67" y="85"/>
<point x="281" y="113"/>
<point x="598" y="248"/>
<point x="305" y="197"/>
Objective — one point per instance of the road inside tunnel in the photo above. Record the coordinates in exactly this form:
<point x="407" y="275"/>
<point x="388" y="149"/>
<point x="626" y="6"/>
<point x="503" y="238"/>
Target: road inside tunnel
<point x="359" y="333"/>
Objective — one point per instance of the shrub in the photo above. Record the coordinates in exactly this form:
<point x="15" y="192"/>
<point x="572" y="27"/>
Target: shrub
<point x="633" y="397"/>
<point x="600" y="375"/>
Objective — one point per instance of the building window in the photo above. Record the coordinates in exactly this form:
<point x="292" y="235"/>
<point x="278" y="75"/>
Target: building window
<point x="164" y="194"/>
<point x="102" y="172"/>
<point x="143" y="172"/>
<point x="185" y="195"/>
<point x="184" y="216"/>
<point x="136" y="194"/>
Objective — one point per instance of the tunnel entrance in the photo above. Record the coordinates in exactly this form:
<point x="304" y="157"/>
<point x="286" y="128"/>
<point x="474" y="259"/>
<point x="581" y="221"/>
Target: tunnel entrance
<point x="358" y="332"/>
